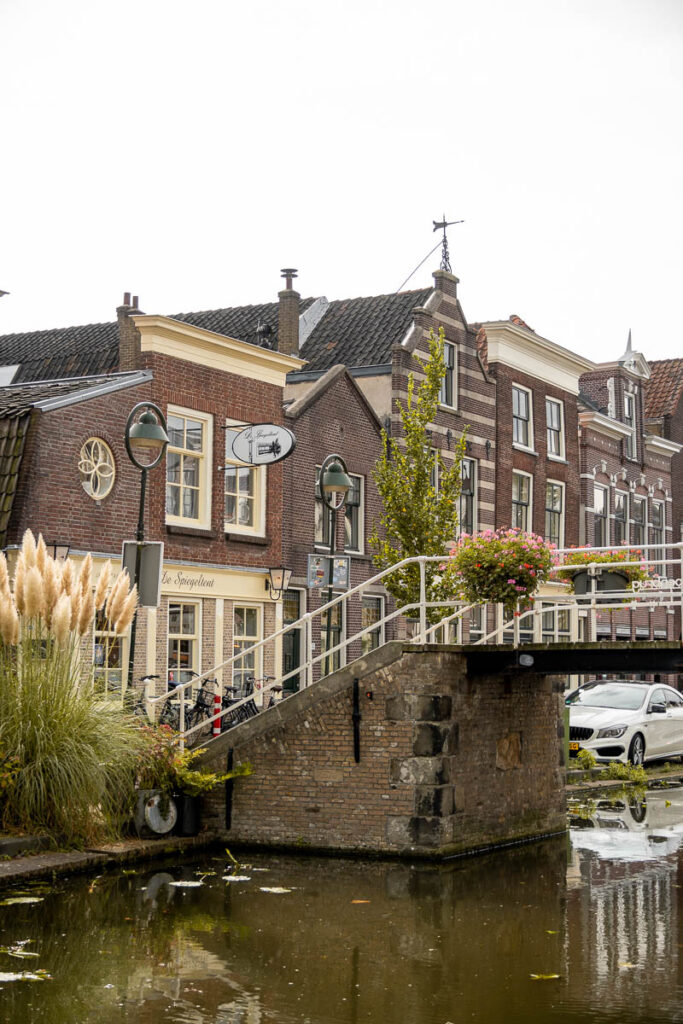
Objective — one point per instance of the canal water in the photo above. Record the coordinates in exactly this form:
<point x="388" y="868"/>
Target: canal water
<point x="585" y="928"/>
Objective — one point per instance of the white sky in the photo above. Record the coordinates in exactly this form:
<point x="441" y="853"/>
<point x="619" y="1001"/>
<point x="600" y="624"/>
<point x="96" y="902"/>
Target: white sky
<point x="186" y="151"/>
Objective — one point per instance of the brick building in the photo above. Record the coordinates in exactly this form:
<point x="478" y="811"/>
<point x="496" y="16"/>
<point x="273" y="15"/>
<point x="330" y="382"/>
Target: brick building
<point x="664" y="418"/>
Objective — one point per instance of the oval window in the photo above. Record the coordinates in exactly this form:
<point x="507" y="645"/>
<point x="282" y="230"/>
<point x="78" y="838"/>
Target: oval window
<point x="96" y="466"/>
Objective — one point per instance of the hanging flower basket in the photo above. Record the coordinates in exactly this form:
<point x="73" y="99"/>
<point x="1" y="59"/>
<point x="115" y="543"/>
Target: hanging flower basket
<point x="611" y="575"/>
<point x="499" y="567"/>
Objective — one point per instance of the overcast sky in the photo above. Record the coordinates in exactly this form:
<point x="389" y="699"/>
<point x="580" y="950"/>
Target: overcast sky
<point x="185" y="152"/>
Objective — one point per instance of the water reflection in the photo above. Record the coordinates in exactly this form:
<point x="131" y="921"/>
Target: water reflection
<point x="372" y="941"/>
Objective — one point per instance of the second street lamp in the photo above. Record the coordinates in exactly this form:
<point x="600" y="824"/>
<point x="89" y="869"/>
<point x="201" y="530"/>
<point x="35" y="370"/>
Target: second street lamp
<point x="145" y="434"/>
<point x="335" y="484"/>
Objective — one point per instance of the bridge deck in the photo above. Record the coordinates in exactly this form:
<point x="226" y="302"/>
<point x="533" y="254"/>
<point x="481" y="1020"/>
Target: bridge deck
<point x="660" y="656"/>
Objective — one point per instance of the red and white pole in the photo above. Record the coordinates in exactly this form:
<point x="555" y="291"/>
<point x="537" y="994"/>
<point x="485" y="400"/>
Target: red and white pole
<point x="216" y="731"/>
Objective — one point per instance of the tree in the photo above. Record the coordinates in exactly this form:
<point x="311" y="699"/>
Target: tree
<point x="418" y="517"/>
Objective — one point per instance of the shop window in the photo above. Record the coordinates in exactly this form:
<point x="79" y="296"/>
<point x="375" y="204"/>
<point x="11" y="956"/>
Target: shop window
<point x="188" y="469"/>
<point x="522" y="425"/>
<point x="246" y="631"/>
<point x="183" y="641"/>
<point x="372" y="612"/>
<point x="245" y="493"/>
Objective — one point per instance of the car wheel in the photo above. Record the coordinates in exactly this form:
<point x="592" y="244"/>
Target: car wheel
<point x="636" y="752"/>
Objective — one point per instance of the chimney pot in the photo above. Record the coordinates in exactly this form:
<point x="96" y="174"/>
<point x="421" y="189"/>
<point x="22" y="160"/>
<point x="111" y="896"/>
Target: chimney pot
<point x="135" y="301"/>
<point x="288" y="316"/>
<point x="126" y="298"/>
<point x="289" y="274"/>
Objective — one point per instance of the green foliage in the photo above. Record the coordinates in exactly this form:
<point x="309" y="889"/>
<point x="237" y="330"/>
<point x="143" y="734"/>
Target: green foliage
<point x="162" y="765"/>
<point x="416" y="518"/>
<point x="581" y="557"/>
<point x="501" y="566"/>
<point x="586" y="760"/>
<point x="627" y="772"/>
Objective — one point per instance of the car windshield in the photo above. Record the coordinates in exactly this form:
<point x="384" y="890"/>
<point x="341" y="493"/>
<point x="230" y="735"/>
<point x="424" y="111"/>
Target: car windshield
<point x="626" y="696"/>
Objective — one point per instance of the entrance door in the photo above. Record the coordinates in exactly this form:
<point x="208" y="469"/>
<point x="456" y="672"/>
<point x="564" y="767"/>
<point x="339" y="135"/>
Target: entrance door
<point x="291" y="641"/>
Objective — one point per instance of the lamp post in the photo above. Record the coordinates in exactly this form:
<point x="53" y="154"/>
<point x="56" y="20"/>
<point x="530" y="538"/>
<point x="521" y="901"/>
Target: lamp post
<point x="335" y="484"/>
<point x="145" y="431"/>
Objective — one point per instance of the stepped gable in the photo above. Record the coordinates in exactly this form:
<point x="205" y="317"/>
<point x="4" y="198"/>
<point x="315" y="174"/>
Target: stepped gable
<point x="361" y="332"/>
<point x="664" y="388"/>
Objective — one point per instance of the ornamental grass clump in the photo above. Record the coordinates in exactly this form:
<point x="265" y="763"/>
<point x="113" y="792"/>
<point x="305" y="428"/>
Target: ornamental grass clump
<point x="581" y="558"/>
<point x="499" y="567"/>
<point x="75" y="752"/>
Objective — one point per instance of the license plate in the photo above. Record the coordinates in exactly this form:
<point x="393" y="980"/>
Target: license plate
<point x="574" y="746"/>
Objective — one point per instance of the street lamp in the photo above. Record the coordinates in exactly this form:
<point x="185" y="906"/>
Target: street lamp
<point x="278" y="581"/>
<point x="146" y="435"/>
<point x="335" y="484"/>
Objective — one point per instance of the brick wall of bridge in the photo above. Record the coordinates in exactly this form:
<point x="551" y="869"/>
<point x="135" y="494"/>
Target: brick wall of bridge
<point x="447" y="763"/>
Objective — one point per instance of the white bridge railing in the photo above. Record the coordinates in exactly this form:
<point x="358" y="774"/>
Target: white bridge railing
<point x="554" y="616"/>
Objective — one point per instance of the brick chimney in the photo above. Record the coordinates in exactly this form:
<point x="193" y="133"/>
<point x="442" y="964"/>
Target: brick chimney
<point x="129" y="336"/>
<point x="288" y="316"/>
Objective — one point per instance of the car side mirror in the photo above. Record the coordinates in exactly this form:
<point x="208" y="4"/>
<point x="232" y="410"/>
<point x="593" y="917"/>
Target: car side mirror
<point x="657" y="709"/>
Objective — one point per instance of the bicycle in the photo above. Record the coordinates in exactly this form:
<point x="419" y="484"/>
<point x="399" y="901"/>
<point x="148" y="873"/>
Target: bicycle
<point x="202" y="709"/>
<point x="135" y="700"/>
<point x="249" y="709"/>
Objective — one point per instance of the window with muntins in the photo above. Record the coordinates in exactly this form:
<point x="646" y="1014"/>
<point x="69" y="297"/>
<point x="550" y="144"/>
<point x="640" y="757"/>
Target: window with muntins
<point x="245" y="488"/>
<point x="630" y="421"/>
<point x="600" y="517"/>
<point x="554" y="432"/>
<point x="447" y="394"/>
<point x="620" y="516"/>
<point x="554" y="513"/>
<point x="108" y="657"/>
<point x="372" y="611"/>
<point x="246" y="631"/>
<point x="468" y="510"/>
<point x="521" y="417"/>
<point x="638" y="520"/>
<point x="183" y="641"/>
<point x="353" y="515"/>
<point x="521" y="501"/>
<point x="657" y="536"/>
<point x="188" y="468"/>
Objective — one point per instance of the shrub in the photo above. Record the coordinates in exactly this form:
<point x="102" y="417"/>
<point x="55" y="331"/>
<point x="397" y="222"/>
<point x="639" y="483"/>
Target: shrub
<point x="76" y="753"/>
<point x="586" y="760"/>
<point x="162" y="765"/>
<point x="627" y="772"/>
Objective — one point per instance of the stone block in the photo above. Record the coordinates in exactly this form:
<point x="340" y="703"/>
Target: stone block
<point x="422" y="771"/>
<point x="427" y="739"/>
<point x="396" y="709"/>
<point x="436" y="708"/>
<point x="451" y="743"/>
<point x="434" y="801"/>
<point x="509" y="751"/>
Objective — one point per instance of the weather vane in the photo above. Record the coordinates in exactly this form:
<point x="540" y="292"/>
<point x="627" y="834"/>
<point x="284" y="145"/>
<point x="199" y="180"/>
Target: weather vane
<point x="445" y="258"/>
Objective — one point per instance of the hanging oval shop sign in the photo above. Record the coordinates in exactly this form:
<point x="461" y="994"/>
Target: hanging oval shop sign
<point x="263" y="443"/>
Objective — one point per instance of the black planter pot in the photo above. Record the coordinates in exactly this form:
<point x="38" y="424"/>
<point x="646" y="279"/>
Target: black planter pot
<point x="609" y="579"/>
<point x="188" y="814"/>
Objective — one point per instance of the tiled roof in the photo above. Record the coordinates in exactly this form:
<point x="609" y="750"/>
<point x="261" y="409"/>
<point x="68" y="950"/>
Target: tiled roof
<point x="664" y="387"/>
<point x="16" y="399"/>
<point x="241" y="321"/>
<point x="361" y="332"/>
<point x="13" y="431"/>
<point x="61" y="352"/>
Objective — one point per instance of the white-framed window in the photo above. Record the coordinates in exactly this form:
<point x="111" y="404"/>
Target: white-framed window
<point x="188" y="468"/>
<point x="600" y="516"/>
<point x="467" y="513"/>
<point x="554" y="426"/>
<point x="337" y="622"/>
<point x="638" y="519"/>
<point x="657" y="511"/>
<point x="521" y="500"/>
<point x="96" y="467"/>
<point x="110" y="657"/>
<point x="184" y="632"/>
<point x="477" y="623"/>
<point x="245" y="492"/>
<point x="554" y="512"/>
<point x="354" y="516"/>
<point x="448" y="395"/>
<point x="372" y="611"/>
<point x="630" y="421"/>
<point x="247" y="629"/>
<point x="620" y="517"/>
<point x="555" y="625"/>
<point x="522" y="417"/>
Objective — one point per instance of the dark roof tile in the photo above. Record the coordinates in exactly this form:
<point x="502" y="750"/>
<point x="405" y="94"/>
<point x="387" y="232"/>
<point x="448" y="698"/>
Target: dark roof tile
<point x="664" y="387"/>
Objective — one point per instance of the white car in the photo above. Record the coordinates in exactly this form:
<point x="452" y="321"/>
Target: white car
<point x="619" y="720"/>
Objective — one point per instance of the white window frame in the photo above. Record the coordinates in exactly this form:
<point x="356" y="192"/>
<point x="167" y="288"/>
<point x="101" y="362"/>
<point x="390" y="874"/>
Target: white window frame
<point x="453" y="371"/>
<point x="562" y="454"/>
<point x="625" y="520"/>
<point x="205" y="458"/>
<point x="529" y="446"/>
<point x="475" y="510"/>
<point x="361" y="517"/>
<point x="257" y="670"/>
<point x="380" y="627"/>
<point x="319" y="505"/>
<point x="101" y="638"/>
<point x="342" y="652"/>
<point x="529" y="507"/>
<point x="605" y="518"/>
<point x="197" y="635"/>
<point x="657" y="556"/>
<point x="638" y="499"/>
<point x="630" y="421"/>
<point x="563" y="489"/>
<point x="260" y="478"/>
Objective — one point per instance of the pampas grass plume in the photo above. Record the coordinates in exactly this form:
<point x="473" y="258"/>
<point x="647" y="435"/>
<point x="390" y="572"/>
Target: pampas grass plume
<point x="87" y="616"/>
<point x="67" y="577"/>
<point x="117" y="597"/>
<point x="61" y="619"/>
<point x="76" y="602"/>
<point x="102" y="585"/>
<point x="127" y="612"/>
<point x="8" y="614"/>
<point x="4" y="577"/>
<point x="85" y="575"/>
<point x="41" y="553"/>
<point x="20" y="583"/>
<point x="51" y="588"/>
<point x="28" y="549"/>
<point x="34" y="594"/>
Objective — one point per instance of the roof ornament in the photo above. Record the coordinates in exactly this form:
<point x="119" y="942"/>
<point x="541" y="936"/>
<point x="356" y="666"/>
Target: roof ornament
<point x="445" y="258"/>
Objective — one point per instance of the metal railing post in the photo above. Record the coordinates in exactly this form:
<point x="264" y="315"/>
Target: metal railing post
<point x="308" y="642"/>
<point x="423" y="599"/>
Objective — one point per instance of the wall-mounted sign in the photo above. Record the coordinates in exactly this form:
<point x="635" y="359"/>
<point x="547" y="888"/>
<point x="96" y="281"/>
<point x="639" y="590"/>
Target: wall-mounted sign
<point x="263" y="443"/>
<point x="324" y="571"/>
<point x="149" y="578"/>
